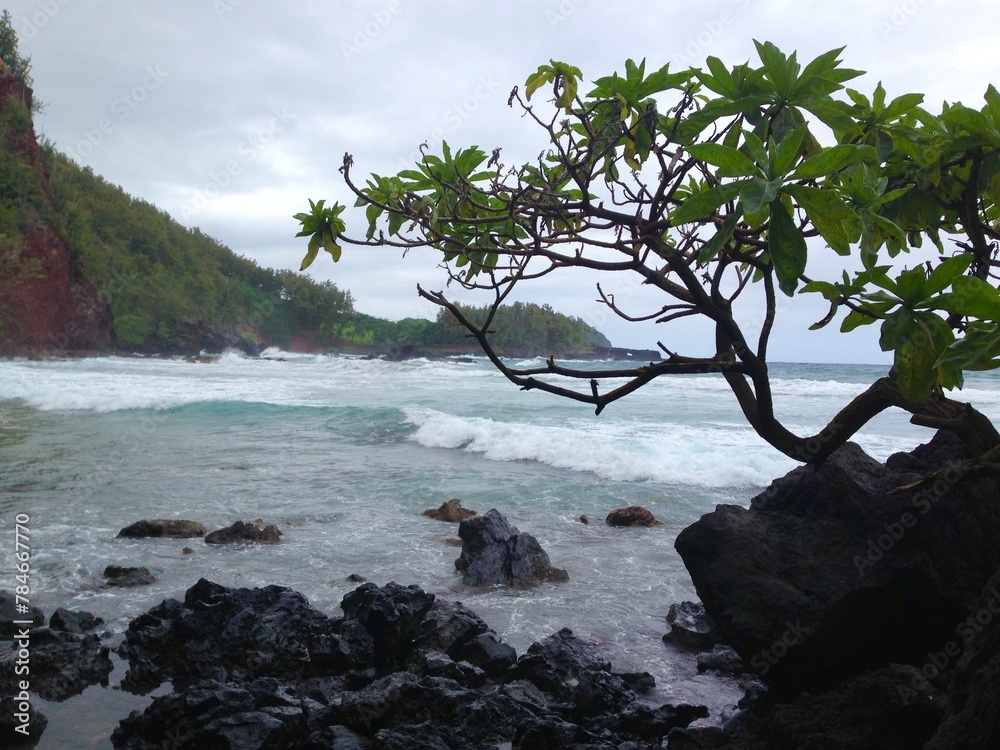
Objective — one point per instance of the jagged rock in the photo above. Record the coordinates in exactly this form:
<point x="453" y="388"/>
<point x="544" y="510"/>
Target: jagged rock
<point x="488" y="652"/>
<point x="829" y="574"/>
<point x="555" y="662"/>
<point x="355" y="578"/>
<point x="447" y="627"/>
<point x="391" y="615"/>
<point x="451" y="511"/>
<point x="256" y="532"/>
<point x="116" y="575"/>
<point x="257" y="714"/>
<point x="238" y="634"/>
<point x="973" y="716"/>
<point x="721" y="658"/>
<point x="495" y="552"/>
<point x="163" y="527"/>
<point x="73" y="622"/>
<point x="9" y="613"/>
<point x="690" y="627"/>
<point x="877" y="709"/>
<point x="12" y="717"/>
<point x="65" y="664"/>
<point x="634" y="515"/>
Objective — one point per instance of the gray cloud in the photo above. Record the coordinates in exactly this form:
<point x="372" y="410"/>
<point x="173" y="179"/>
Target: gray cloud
<point x="229" y="114"/>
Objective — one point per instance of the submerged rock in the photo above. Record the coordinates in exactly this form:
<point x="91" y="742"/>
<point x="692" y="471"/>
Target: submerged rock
<point x="634" y="515"/>
<point x="163" y="527"/>
<point x="451" y="511"/>
<point x="256" y="532"/>
<point x="495" y="552"/>
<point x="116" y="575"/>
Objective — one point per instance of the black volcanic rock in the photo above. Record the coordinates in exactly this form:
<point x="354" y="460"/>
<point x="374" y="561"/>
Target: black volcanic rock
<point x="494" y="552"/>
<point x="830" y="574"/>
<point x="163" y="527"/>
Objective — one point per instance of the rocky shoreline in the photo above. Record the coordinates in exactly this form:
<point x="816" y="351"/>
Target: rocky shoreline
<point x="861" y="601"/>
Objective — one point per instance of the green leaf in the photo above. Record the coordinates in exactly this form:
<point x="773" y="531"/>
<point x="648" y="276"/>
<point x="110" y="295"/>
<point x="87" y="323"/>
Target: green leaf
<point x="311" y="253"/>
<point x="702" y="204"/>
<point x="711" y="248"/>
<point x="732" y="162"/>
<point x="942" y="276"/>
<point x="758" y="193"/>
<point x="331" y="246"/>
<point x="833" y="218"/>
<point x="787" y="248"/>
<point x="833" y="160"/>
<point x="788" y="151"/>
<point x="971" y="297"/>
<point x="979" y="349"/>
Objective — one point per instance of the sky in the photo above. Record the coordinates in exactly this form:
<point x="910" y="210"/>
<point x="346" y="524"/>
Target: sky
<point x="230" y="114"/>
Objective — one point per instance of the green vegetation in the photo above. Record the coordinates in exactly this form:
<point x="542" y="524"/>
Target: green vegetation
<point x="711" y="185"/>
<point x="171" y="288"/>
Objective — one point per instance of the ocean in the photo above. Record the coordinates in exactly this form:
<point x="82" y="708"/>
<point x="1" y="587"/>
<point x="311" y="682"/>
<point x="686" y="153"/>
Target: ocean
<point x="343" y="455"/>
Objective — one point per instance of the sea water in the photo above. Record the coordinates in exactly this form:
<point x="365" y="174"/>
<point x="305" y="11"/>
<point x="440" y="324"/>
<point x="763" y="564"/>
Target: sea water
<point x="344" y="454"/>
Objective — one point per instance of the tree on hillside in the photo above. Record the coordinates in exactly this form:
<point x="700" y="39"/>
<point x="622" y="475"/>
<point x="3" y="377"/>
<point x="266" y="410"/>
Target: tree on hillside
<point x="712" y="186"/>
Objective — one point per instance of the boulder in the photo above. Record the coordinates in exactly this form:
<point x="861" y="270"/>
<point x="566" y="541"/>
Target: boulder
<point x="77" y="623"/>
<point x="392" y="617"/>
<point x="163" y="527"/>
<point x="722" y="659"/>
<point x="10" y="737"/>
<point x="973" y="716"/>
<point x="451" y="511"/>
<point x="63" y="664"/>
<point x="831" y="573"/>
<point x="494" y="552"/>
<point x="690" y="627"/>
<point x="116" y="575"/>
<point x="256" y="532"/>
<point x="634" y="515"/>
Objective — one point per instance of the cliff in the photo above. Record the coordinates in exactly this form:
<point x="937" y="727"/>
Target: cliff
<point x="46" y="301"/>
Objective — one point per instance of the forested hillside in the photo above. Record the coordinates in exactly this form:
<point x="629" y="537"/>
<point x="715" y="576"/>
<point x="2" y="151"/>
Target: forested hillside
<point x="172" y="289"/>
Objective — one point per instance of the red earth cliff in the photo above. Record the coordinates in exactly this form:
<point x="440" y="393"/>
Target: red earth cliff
<point x="46" y="301"/>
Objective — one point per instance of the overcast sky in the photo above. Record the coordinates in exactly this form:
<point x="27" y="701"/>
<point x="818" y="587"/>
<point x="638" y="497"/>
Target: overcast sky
<point x="230" y="114"/>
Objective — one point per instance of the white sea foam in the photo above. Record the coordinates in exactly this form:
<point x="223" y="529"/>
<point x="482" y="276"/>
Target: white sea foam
<point x="707" y="455"/>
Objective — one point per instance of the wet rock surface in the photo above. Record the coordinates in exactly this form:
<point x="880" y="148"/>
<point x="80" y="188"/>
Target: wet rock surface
<point x="450" y="511"/>
<point x="400" y="669"/>
<point x="126" y="577"/>
<point x="494" y="552"/>
<point x="634" y="515"/>
<point x="163" y="527"/>
<point x="256" y="532"/>
<point x="848" y="589"/>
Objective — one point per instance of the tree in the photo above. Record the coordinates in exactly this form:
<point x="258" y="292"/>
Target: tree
<point x="711" y="185"/>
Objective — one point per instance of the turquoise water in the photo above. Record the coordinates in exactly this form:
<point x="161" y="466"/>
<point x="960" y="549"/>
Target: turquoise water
<point x="344" y="454"/>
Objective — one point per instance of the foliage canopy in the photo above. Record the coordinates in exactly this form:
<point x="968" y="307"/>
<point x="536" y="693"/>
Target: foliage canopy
<point x="710" y="182"/>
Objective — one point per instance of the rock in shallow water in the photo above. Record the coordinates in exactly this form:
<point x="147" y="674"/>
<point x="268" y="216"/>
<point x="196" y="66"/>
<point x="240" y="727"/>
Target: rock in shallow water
<point x="411" y="685"/>
<point x="450" y="511"/>
<point x="163" y="527"/>
<point x="241" y="531"/>
<point x="494" y="552"/>
<point x="634" y="515"/>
